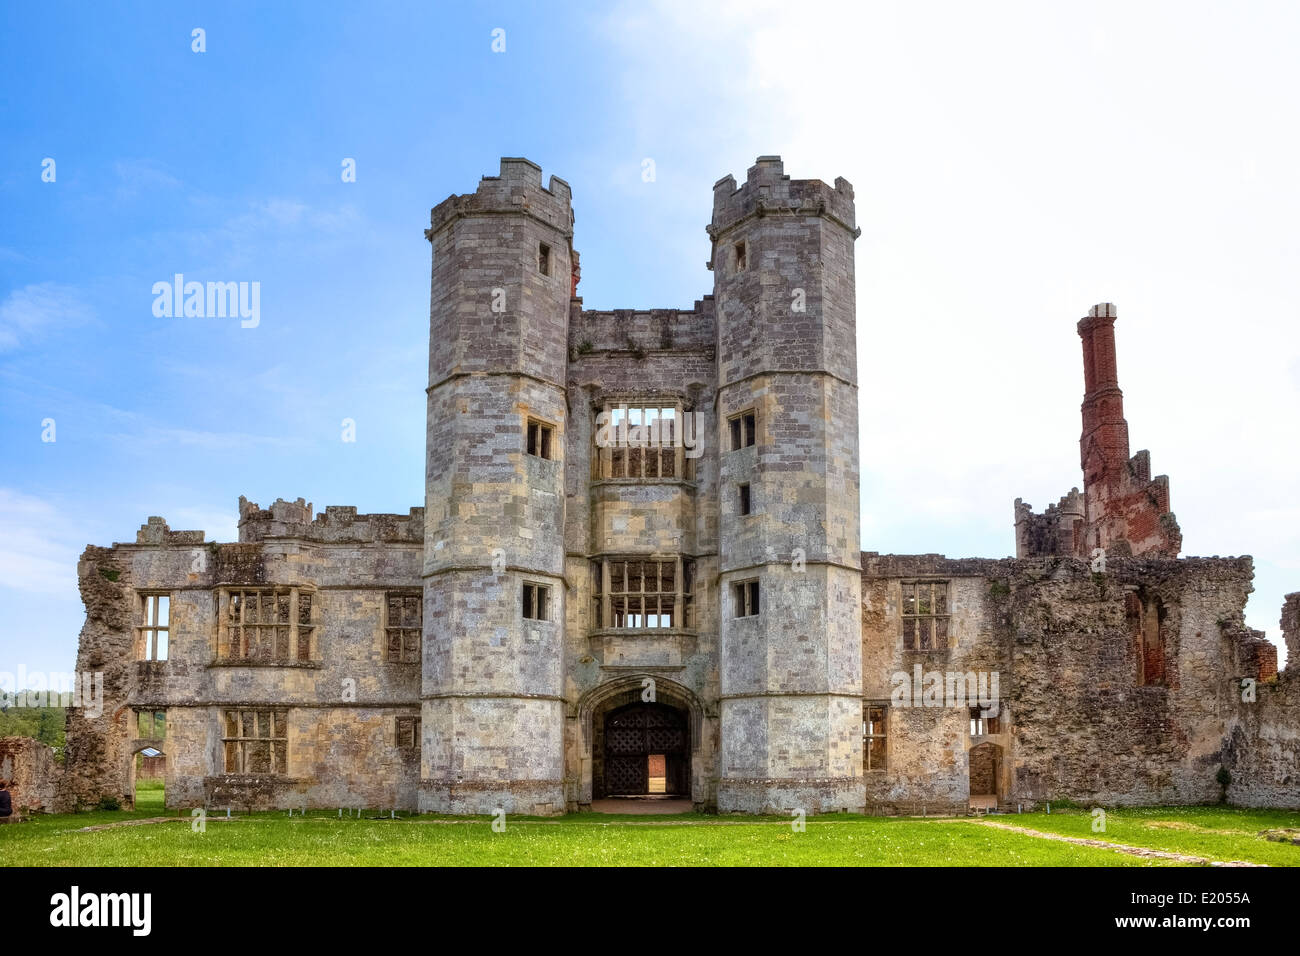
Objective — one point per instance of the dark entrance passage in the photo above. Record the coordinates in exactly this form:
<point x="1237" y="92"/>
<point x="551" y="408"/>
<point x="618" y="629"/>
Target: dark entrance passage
<point x="647" y="751"/>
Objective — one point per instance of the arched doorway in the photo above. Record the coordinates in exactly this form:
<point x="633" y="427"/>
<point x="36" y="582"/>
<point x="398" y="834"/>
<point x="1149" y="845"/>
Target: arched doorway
<point x="646" y="750"/>
<point x="985" y="776"/>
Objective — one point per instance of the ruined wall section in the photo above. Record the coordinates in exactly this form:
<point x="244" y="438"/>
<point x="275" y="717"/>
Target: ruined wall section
<point x="1091" y="724"/>
<point x="34" y="777"/>
<point x="94" y="757"/>
<point x="1263" y="753"/>
<point x="1118" y="688"/>
<point x="929" y="742"/>
<point x="340" y="704"/>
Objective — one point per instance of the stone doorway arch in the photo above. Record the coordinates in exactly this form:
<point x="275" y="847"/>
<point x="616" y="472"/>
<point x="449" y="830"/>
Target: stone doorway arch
<point x="666" y="697"/>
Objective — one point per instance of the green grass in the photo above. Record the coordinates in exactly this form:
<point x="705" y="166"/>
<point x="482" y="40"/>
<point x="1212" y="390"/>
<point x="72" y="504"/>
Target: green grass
<point x="149" y="797"/>
<point x="1218" y="833"/>
<point x="274" y="839"/>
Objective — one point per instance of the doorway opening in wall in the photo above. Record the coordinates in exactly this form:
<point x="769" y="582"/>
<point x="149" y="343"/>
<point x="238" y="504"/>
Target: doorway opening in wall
<point x="148" y="779"/>
<point x="644" y="756"/>
<point x="985" y="776"/>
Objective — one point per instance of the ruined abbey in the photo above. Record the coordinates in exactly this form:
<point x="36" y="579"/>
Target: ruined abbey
<point x="638" y="570"/>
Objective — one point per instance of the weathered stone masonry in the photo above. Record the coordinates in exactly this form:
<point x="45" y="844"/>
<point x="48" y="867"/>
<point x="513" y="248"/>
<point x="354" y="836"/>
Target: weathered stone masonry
<point x="569" y="618"/>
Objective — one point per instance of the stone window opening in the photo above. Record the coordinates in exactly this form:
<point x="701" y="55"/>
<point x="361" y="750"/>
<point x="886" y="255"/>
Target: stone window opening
<point x="926" y="615"/>
<point x="256" y="741"/>
<point x="403" y="626"/>
<point x="406" y="733"/>
<point x="265" y="625"/>
<point x="744" y="502"/>
<point x="1146" y="618"/>
<point x="745" y="598"/>
<point x="744" y="430"/>
<point x="539" y="437"/>
<point x="642" y="440"/>
<point x="637" y="593"/>
<point x="543" y="259"/>
<point x="741" y="256"/>
<point x="875" y="738"/>
<point x="536" y="602"/>
<point x="154" y="630"/>
<point x="981" y="725"/>
<point x="151" y="724"/>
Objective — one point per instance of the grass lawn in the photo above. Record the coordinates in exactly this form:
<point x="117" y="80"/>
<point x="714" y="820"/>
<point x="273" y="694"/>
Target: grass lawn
<point x="271" y="839"/>
<point x="1219" y="833"/>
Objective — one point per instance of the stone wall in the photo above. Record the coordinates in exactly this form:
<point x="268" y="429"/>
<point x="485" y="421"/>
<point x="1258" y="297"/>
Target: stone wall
<point x="34" y="777"/>
<point x="1083" y="715"/>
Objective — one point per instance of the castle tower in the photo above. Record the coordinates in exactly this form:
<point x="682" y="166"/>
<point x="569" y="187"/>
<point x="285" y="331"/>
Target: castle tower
<point x="494" y="589"/>
<point x="790" y="575"/>
<point x="1125" y="509"/>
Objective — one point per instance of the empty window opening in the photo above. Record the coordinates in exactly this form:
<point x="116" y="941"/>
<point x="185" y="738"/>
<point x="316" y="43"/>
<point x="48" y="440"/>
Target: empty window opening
<point x="925" y="615"/>
<point x="744" y="499"/>
<point x="640" y="593"/>
<point x="537" y="602"/>
<point x="875" y="748"/>
<point x="544" y="259"/>
<point x="1147" y="625"/>
<point x="640" y="441"/>
<point x="255" y="741"/>
<point x="742" y="257"/>
<point x="744" y="430"/>
<point x="403" y="626"/>
<point x="981" y="725"/>
<point x="151" y="724"/>
<point x="271" y="625"/>
<point x="407" y="733"/>
<point x="155" y="627"/>
<point x="745" y="594"/>
<point x="539" y="439"/>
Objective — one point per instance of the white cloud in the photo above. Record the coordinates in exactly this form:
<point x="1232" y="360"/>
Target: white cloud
<point x="33" y="310"/>
<point x="40" y="545"/>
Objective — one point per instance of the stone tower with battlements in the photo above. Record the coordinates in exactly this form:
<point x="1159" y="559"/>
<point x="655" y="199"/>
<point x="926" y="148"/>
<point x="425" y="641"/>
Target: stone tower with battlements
<point x="492" y="717"/>
<point x="791" y="657"/>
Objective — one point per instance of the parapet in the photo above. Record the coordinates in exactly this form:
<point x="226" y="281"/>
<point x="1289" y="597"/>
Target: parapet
<point x="517" y="190"/>
<point x="338" y="524"/>
<point x="644" y="330"/>
<point x="155" y="532"/>
<point x="768" y="191"/>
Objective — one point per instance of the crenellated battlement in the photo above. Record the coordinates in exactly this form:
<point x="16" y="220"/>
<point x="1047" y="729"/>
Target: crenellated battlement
<point x="518" y="189"/>
<point x="768" y="191"/>
<point x="337" y="524"/>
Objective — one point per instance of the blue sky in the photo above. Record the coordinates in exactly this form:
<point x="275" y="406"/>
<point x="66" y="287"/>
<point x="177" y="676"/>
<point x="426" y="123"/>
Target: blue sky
<point x="1012" y="167"/>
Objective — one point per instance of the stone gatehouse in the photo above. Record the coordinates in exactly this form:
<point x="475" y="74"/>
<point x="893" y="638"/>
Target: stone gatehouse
<point x="638" y="570"/>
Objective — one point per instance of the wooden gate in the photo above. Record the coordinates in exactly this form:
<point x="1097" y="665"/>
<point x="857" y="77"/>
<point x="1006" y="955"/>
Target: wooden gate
<point x="635" y="734"/>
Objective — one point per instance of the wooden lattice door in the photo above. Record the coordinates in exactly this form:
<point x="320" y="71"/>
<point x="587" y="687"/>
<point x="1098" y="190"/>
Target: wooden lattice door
<point x="634" y="733"/>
